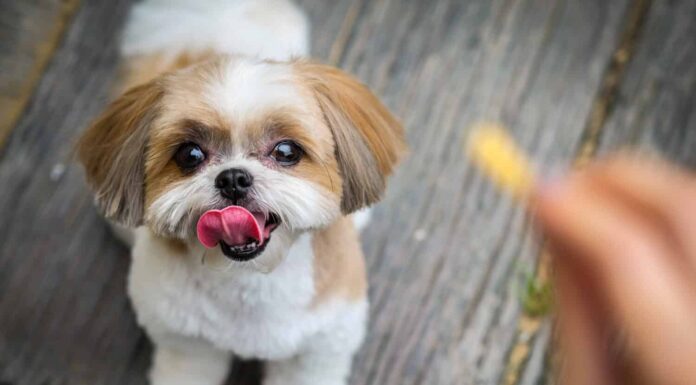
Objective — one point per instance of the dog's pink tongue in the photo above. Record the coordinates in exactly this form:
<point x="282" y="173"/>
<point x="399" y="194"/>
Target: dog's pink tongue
<point x="234" y="225"/>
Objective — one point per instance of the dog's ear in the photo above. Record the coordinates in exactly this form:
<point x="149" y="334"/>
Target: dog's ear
<point x="113" y="149"/>
<point x="369" y="140"/>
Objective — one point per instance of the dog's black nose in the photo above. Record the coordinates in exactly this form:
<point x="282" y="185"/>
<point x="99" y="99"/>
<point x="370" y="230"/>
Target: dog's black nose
<point x="234" y="183"/>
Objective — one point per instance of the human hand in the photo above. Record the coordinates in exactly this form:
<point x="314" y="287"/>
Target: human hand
<point x="623" y="237"/>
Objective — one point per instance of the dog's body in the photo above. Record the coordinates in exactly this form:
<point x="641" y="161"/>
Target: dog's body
<point x="202" y="93"/>
<point x="197" y="316"/>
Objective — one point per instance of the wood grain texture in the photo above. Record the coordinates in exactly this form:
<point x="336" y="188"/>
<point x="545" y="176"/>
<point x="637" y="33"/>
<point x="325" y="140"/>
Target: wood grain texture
<point x="30" y="31"/>
<point x="533" y="331"/>
<point x="656" y="105"/>
<point x="446" y="252"/>
<point x="64" y="317"/>
<point x="331" y="26"/>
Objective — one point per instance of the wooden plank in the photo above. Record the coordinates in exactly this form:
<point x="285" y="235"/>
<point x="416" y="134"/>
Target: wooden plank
<point x="656" y="105"/>
<point x="610" y="125"/>
<point x="30" y="31"/>
<point x="445" y="250"/>
<point x="64" y="317"/>
<point x="533" y="331"/>
<point x="331" y="26"/>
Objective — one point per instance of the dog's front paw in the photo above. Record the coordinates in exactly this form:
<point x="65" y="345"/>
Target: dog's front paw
<point x="310" y="369"/>
<point x="193" y="364"/>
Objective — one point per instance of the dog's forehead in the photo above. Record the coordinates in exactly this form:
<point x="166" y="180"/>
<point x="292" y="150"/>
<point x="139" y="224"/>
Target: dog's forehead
<point x="243" y="98"/>
<point x="245" y="91"/>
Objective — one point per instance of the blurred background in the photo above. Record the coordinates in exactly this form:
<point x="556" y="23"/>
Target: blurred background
<point x="458" y="292"/>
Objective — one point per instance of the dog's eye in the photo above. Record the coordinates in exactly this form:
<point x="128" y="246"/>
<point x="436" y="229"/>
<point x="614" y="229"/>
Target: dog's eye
<point x="287" y="153"/>
<point x="189" y="156"/>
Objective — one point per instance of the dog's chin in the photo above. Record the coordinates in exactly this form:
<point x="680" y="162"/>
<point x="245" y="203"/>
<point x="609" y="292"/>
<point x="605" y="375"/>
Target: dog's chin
<point x="264" y="259"/>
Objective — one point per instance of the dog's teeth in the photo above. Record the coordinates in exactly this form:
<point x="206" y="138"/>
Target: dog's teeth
<point x="244" y="248"/>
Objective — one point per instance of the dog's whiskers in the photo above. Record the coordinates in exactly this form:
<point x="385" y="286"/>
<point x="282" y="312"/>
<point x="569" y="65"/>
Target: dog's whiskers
<point x="205" y="251"/>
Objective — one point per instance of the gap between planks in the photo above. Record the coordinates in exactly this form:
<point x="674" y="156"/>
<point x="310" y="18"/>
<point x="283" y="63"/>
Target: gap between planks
<point x="529" y="326"/>
<point x="44" y="51"/>
<point x="338" y="48"/>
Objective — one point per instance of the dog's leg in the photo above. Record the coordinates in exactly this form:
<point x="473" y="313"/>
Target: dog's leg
<point x="180" y="360"/>
<point x="327" y="356"/>
<point x="310" y="368"/>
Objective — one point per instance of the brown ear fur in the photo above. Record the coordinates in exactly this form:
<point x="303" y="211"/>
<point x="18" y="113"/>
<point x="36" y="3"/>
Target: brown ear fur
<point x="369" y="140"/>
<point x="112" y="151"/>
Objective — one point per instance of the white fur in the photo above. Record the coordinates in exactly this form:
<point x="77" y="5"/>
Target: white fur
<point x="248" y="88"/>
<point x="196" y="305"/>
<point x="361" y="218"/>
<point x="272" y="29"/>
<point x="188" y="308"/>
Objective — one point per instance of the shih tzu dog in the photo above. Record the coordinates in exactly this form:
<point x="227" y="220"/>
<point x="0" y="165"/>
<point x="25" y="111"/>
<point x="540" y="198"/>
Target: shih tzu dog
<point x="237" y="171"/>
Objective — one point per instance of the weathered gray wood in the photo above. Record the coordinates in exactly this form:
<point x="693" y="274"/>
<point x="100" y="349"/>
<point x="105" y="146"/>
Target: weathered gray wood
<point x="64" y="317"/>
<point x="656" y="107"/>
<point x="445" y="250"/>
<point x="30" y="31"/>
<point x="332" y="23"/>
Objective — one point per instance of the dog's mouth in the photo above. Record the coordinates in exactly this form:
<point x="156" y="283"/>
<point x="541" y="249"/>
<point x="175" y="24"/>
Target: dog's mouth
<point x="252" y="248"/>
<point x="241" y="234"/>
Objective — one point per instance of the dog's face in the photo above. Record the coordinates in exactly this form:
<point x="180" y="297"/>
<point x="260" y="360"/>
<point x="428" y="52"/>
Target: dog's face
<point x="296" y="144"/>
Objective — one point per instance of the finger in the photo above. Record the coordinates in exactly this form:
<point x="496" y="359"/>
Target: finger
<point x="581" y="324"/>
<point x="633" y="267"/>
<point x="664" y="192"/>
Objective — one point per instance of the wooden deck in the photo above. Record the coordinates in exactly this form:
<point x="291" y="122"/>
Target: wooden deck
<point x="447" y="254"/>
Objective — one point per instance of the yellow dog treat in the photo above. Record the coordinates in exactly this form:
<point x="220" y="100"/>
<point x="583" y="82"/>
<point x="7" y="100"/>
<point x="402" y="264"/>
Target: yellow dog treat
<point x="492" y="149"/>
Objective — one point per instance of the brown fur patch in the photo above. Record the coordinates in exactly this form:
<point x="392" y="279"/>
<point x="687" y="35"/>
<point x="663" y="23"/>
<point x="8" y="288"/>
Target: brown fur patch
<point x="339" y="265"/>
<point x="369" y="140"/>
<point x="159" y="182"/>
<point x="112" y="151"/>
<point x="322" y="173"/>
<point x="143" y="68"/>
<point x="280" y="123"/>
<point x="177" y="246"/>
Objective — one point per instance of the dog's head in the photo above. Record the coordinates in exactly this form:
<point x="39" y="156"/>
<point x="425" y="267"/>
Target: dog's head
<point x="294" y="144"/>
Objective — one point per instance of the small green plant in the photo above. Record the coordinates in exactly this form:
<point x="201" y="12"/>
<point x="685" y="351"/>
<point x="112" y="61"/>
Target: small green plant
<point x="536" y="296"/>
